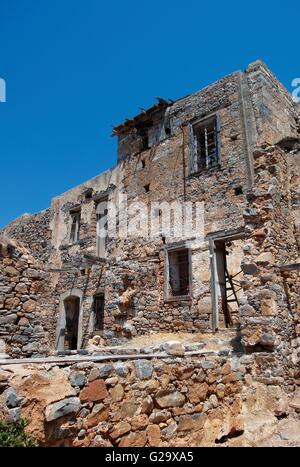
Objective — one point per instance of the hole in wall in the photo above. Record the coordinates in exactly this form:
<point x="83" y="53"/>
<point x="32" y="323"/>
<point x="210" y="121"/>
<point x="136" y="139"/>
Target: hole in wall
<point x="147" y="188"/>
<point x="238" y="190"/>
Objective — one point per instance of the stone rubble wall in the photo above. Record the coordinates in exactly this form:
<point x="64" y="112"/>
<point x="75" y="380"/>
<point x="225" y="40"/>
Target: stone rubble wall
<point x="23" y="305"/>
<point x="169" y="402"/>
<point x="34" y="232"/>
<point x="269" y="311"/>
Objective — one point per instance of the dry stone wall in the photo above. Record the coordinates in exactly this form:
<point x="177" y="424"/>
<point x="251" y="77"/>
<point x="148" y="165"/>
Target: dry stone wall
<point x="23" y="303"/>
<point x="169" y="402"/>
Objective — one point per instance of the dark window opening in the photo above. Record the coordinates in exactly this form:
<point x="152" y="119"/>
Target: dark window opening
<point x="75" y="227"/>
<point x="145" y="142"/>
<point x="143" y="164"/>
<point x="167" y="128"/>
<point x="205" y="154"/>
<point x="99" y="311"/>
<point x="147" y="188"/>
<point x="179" y="272"/>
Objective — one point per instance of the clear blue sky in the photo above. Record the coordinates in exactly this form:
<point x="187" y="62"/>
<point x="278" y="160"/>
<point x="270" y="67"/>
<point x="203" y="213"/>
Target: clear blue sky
<point x="74" y="68"/>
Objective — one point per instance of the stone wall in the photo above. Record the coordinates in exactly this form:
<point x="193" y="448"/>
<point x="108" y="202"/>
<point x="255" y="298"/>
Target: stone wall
<point x="169" y="402"/>
<point x="34" y="232"/>
<point x="24" y="315"/>
<point x="270" y="307"/>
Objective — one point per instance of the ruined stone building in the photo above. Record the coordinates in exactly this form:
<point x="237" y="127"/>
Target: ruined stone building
<point x="108" y="265"/>
<point x="233" y="146"/>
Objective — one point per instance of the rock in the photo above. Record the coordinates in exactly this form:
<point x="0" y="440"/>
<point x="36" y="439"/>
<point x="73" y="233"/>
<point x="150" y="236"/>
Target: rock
<point x="34" y="274"/>
<point x="78" y="379"/>
<point x="8" y="319"/>
<point x="99" y="414"/>
<point x="153" y="434"/>
<point x="169" y="432"/>
<point x="129" y="330"/>
<point x="265" y="258"/>
<point x="134" y="440"/>
<point x="214" y="401"/>
<point x="14" y="414"/>
<point x="192" y="422"/>
<point x="23" y="322"/>
<point x="21" y="288"/>
<point x="60" y="409"/>
<point x="100" y="442"/>
<point x="117" y="393"/>
<point x="143" y="369"/>
<point x="159" y="416"/>
<point x="112" y="381"/>
<point x="128" y="409"/>
<point x="31" y="347"/>
<point x="120" y="429"/>
<point x="268" y="307"/>
<point x="166" y="398"/>
<point x="198" y="392"/>
<point x="94" y="374"/>
<point x="105" y="370"/>
<point x="147" y="405"/>
<point x="11" y="398"/>
<point x="94" y="391"/>
<point x="121" y="369"/>
<point x="29" y="306"/>
<point x="139" y="422"/>
<point x="268" y="340"/>
<point x="173" y="348"/>
<point x="184" y="373"/>
<point x="10" y="271"/>
<point x="249" y="268"/>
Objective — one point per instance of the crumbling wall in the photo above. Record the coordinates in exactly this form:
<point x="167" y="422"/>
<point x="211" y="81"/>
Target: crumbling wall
<point x="24" y="312"/>
<point x="134" y="403"/>
<point x="33" y="231"/>
<point x="275" y="111"/>
<point x="270" y="310"/>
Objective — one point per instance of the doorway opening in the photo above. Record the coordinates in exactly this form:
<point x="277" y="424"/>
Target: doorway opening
<point x="72" y="310"/>
<point x="226" y="277"/>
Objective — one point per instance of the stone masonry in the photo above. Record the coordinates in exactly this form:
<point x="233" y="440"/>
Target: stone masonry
<point x="51" y="302"/>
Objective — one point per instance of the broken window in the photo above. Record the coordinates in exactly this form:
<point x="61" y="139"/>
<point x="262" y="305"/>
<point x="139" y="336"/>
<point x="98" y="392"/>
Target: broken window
<point x="205" y="145"/>
<point x="75" y="227"/>
<point x="102" y="228"/>
<point x="179" y="272"/>
<point x="99" y="312"/>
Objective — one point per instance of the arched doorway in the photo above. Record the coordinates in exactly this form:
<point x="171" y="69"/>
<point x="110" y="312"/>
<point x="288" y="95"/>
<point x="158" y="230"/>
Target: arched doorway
<point x="69" y="324"/>
<point x="72" y="310"/>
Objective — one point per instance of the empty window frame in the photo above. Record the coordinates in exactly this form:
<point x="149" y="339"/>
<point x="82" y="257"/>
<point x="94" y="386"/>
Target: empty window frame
<point x="178" y="272"/>
<point x="102" y="228"/>
<point x="205" y="147"/>
<point x="99" y="302"/>
<point x="75" y="226"/>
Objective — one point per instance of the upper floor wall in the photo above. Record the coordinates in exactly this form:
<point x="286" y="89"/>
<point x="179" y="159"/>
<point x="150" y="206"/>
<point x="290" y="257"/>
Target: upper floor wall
<point x="266" y="109"/>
